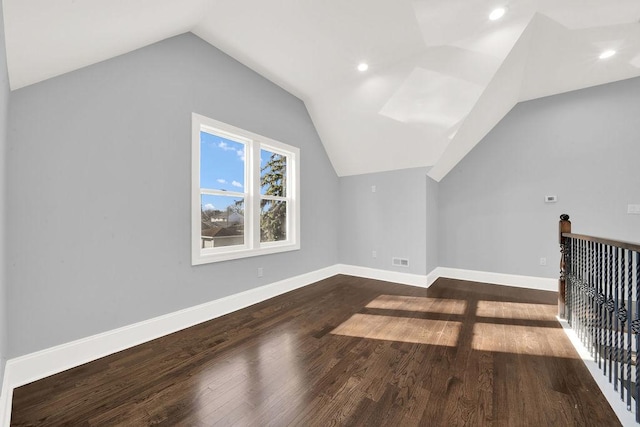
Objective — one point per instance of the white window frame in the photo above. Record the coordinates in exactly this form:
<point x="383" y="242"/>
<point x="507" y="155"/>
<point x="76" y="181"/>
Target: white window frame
<point x="253" y="144"/>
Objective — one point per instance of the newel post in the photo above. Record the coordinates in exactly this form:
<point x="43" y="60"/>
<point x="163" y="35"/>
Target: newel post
<point x="565" y="227"/>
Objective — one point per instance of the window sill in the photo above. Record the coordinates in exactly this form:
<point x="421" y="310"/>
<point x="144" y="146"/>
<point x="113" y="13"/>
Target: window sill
<point x="207" y="258"/>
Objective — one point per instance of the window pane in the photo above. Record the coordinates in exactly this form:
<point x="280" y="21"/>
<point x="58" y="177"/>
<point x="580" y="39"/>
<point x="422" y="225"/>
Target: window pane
<point x="221" y="163"/>
<point x="273" y="221"/>
<point x="273" y="174"/>
<point x="222" y="219"/>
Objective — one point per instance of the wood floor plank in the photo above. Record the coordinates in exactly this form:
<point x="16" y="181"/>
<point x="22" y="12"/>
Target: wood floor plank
<point x="344" y="351"/>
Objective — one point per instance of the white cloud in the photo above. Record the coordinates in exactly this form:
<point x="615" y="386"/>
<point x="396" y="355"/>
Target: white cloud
<point x="209" y="207"/>
<point x="221" y="181"/>
<point x="236" y="184"/>
<point x="225" y="146"/>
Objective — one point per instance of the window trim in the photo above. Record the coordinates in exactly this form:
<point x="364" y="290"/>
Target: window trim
<point x="253" y="144"/>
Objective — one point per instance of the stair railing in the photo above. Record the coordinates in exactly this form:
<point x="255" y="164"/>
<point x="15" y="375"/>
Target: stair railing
<point x="598" y="296"/>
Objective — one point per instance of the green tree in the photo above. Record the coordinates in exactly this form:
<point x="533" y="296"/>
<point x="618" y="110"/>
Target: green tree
<point x="236" y="207"/>
<point x="273" y="180"/>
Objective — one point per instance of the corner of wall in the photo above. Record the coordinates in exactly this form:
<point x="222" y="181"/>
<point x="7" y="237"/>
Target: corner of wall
<point x="433" y="231"/>
<point x="4" y="104"/>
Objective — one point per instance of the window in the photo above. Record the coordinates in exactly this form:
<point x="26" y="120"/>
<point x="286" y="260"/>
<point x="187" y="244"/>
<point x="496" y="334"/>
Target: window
<point x="245" y="193"/>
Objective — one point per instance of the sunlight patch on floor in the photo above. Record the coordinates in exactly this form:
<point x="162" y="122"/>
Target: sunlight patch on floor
<point x="515" y="310"/>
<point x="403" y="329"/>
<point x="419" y="304"/>
<point x="529" y="340"/>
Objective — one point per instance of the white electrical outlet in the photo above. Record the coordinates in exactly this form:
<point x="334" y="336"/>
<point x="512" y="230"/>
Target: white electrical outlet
<point x="543" y="261"/>
<point x="373" y="188"/>
<point x="260" y="271"/>
<point x="374" y="254"/>
<point x="550" y="199"/>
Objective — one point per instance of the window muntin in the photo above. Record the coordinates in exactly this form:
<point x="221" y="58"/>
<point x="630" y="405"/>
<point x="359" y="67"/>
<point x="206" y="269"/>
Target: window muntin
<point x="245" y="193"/>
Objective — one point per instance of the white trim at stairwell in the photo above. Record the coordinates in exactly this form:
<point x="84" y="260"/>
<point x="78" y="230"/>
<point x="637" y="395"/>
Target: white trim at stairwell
<point x="529" y="282"/>
<point x="626" y="417"/>
<point x="38" y="365"/>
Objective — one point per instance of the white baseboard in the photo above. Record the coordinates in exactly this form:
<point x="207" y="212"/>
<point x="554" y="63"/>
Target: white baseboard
<point x="5" y="399"/>
<point x="34" y="366"/>
<point x="627" y="418"/>
<point x="386" y="275"/>
<point x="530" y="282"/>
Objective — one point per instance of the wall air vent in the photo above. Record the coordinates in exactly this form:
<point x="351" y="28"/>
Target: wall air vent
<point x="400" y="262"/>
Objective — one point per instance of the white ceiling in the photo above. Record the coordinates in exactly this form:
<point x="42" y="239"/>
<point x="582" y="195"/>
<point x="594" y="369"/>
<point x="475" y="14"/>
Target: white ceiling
<point x="441" y="74"/>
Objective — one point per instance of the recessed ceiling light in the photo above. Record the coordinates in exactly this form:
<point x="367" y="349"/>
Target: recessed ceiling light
<point x="497" y="13"/>
<point x="363" y="67"/>
<point x="607" y="54"/>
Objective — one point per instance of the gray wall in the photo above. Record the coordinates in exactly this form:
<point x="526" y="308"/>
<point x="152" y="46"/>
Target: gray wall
<point x="433" y="233"/>
<point x="582" y="146"/>
<point x="4" y="104"/>
<point x="99" y="191"/>
<point x="392" y="221"/>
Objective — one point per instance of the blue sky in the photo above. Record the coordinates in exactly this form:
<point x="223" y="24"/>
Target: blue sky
<point x="222" y="168"/>
<point x="221" y="163"/>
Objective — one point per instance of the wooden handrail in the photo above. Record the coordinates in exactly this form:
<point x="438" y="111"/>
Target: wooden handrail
<point x="617" y="243"/>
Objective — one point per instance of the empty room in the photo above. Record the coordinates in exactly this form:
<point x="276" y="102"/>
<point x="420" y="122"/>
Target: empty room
<point x="377" y="213"/>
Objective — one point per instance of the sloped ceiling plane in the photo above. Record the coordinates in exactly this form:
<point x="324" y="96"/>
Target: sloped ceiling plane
<point x="441" y="73"/>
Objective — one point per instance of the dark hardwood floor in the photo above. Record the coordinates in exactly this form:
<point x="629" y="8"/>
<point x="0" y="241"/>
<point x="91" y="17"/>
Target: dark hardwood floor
<point x="344" y="351"/>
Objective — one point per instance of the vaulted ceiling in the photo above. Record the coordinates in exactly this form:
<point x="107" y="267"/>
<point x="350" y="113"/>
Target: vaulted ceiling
<point x="441" y="73"/>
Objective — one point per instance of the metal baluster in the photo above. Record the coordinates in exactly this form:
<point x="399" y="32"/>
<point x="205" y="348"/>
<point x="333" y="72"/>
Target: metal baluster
<point x="583" y="296"/>
<point x="622" y="312"/>
<point x="589" y="311"/>
<point x="616" y="319"/>
<point x="579" y="287"/>
<point x="603" y="307"/>
<point x="637" y="332"/>
<point x="593" y="336"/>
<point x="610" y="308"/>
<point x="576" y="287"/>
<point x="587" y="299"/>
<point x="593" y="292"/>
<point x="576" y="284"/>
<point x="600" y="304"/>
<point x="569" y="279"/>
<point x="593" y="301"/>
<point x="629" y="317"/>
<point x="605" y="311"/>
